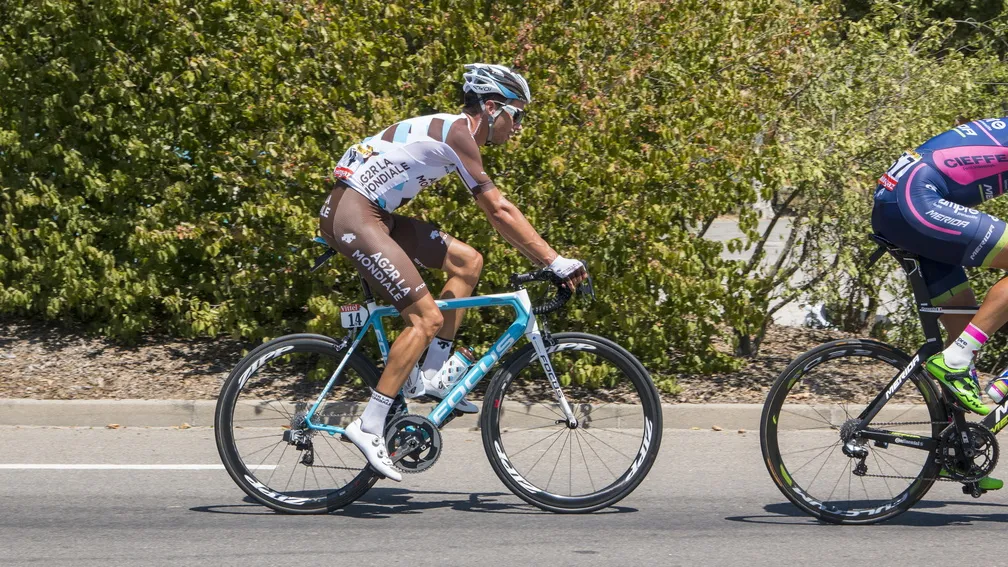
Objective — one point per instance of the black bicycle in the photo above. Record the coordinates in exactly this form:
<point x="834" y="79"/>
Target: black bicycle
<point x="855" y="431"/>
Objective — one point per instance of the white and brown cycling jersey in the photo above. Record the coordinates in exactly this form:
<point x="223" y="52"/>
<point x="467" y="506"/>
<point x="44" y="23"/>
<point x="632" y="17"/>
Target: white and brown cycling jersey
<point x="393" y="166"/>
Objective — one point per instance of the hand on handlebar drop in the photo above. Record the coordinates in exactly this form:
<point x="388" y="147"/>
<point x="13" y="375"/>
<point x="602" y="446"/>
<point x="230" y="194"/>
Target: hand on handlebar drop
<point x="572" y="271"/>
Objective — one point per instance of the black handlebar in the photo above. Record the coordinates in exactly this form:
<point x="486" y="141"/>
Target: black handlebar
<point x="563" y="294"/>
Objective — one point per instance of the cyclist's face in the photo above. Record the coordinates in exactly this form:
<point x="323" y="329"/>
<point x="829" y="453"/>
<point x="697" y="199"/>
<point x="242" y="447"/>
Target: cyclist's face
<point x="505" y="125"/>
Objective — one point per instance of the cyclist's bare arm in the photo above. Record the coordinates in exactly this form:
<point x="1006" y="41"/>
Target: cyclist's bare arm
<point x="506" y="219"/>
<point x="515" y="228"/>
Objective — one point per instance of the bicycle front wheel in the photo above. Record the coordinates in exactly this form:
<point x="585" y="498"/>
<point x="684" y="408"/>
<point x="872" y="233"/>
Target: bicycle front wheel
<point x="588" y="467"/>
<point x="262" y="436"/>
<point x="814" y="406"/>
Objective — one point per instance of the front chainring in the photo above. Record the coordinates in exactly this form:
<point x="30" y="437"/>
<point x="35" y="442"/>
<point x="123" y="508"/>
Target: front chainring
<point x="413" y="442"/>
<point x="977" y="460"/>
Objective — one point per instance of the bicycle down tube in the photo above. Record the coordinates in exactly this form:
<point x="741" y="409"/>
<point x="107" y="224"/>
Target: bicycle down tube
<point x="524" y="323"/>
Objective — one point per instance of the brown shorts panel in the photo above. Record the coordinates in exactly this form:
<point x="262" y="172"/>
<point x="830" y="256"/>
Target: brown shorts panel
<point x="423" y="242"/>
<point x="360" y="230"/>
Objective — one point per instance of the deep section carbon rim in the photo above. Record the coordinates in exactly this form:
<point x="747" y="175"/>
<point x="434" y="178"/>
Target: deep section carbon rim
<point x="812" y="408"/>
<point x="262" y="436"/>
<point x="583" y="468"/>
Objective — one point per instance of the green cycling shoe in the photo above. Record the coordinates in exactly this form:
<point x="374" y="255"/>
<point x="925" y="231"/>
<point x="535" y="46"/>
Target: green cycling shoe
<point x="959" y="382"/>
<point x="985" y="483"/>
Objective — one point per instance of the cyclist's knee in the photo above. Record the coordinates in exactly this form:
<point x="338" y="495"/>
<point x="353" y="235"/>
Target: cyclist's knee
<point x="475" y="264"/>
<point x="467" y="262"/>
<point x="428" y="321"/>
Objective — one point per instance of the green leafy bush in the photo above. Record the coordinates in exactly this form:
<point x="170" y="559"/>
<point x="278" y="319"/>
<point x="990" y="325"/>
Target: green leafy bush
<point x="162" y="163"/>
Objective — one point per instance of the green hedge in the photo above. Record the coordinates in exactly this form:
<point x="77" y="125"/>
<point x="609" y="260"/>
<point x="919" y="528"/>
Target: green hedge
<point x="162" y="163"/>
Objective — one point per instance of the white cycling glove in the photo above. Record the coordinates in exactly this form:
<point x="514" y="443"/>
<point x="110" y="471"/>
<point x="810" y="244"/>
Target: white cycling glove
<point x="564" y="267"/>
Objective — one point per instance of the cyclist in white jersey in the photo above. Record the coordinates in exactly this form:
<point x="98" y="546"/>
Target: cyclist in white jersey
<point x="384" y="172"/>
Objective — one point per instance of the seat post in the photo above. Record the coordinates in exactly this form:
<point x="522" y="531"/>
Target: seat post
<point x="926" y="312"/>
<point x="922" y="299"/>
<point x="368" y="296"/>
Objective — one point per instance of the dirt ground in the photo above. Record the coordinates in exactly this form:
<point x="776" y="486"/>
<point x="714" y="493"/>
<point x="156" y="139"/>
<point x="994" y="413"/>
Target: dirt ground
<point x="44" y="361"/>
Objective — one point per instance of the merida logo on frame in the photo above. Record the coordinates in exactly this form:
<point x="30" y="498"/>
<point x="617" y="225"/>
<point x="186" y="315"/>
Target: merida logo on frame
<point x="902" y="377"/>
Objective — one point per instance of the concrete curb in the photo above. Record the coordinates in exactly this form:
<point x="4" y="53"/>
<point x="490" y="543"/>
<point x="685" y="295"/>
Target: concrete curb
<point x="200" y="413"/>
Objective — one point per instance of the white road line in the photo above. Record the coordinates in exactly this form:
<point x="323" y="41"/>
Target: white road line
<point x="80" y="467"/>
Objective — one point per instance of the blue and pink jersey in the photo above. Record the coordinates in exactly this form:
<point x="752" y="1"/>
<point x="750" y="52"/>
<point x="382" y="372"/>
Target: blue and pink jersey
<point x="924" y="201"/>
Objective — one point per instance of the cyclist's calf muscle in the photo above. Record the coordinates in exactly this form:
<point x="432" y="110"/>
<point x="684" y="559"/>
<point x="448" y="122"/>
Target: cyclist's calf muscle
<point x="955" y="324"/>
<point x="423" y="320"/>
<point x="993" y="313"/>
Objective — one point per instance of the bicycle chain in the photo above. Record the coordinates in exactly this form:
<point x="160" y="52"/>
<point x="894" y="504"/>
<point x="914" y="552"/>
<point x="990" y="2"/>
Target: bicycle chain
<point x="938" y="478"/>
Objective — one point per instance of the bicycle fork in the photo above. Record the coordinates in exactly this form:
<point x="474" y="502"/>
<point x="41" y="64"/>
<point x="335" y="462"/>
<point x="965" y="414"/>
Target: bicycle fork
<point x="535" y="336"/>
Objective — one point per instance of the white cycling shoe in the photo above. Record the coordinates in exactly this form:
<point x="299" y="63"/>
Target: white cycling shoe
<point x="373" y="447"/>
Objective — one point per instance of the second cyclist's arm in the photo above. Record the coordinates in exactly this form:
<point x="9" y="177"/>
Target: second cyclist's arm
<point x="514" y="227"/>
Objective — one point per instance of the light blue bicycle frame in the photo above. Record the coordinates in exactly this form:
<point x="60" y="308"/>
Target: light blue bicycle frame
<point x="524" y="323"/>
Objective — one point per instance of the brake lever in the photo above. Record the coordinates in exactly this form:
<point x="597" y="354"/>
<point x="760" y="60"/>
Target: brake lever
<point x="586" y="288"/>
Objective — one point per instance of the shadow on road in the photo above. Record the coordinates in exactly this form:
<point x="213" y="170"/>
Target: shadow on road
<point x="386" y="502"/>
<point x="919" y="515"/>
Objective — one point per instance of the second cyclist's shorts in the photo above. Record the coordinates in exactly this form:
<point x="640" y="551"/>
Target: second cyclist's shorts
<point x="911" y="211"/>
<point x="383" y="246"/>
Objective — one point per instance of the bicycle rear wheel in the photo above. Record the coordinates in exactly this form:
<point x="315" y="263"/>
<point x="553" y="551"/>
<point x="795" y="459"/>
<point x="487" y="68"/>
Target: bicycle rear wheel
<point x="592" y="466"/>
<point x="262" y="437"/>
<point x="804" y="419"/>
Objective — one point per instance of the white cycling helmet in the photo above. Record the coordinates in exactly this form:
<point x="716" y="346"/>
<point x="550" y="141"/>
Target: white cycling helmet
<point x="485" y="79"/>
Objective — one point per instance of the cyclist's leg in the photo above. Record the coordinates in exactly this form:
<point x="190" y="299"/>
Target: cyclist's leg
<point x="947" y="235"/>
<point x="359" y="230"/>
<point x="949" y="287"/>
<point x="423" y="319"/>
<point x="993" y="314"/>
<point x="896" y="216"/>
<point x="433" y="248"/>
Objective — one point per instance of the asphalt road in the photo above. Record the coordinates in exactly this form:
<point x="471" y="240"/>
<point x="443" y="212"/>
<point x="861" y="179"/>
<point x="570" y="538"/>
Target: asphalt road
<point x="707" y="501"/>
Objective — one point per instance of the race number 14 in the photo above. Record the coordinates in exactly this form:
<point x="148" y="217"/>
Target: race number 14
<point x="353" y="316"/>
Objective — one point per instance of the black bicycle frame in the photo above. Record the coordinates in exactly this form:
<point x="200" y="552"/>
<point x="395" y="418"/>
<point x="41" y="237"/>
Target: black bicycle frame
<point x="929" y="315"/>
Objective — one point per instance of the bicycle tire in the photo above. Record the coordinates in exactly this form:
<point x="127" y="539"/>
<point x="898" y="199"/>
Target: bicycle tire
<point x="523" y="376"/>
<point x="267" y="418"/>
<point x="818" y="383"/>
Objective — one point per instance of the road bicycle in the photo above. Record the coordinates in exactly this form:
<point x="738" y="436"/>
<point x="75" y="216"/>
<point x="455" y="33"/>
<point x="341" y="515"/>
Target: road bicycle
<point x="855" y="431"/>
<point x="552" y="440"/>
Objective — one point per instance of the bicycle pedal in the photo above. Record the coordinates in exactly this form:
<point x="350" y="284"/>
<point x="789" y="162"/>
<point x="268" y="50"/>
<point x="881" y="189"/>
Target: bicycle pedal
<point x="973" y="490"/>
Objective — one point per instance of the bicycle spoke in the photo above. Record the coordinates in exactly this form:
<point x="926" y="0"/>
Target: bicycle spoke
<point x="811" y="482"/>
<point x="820" y="448"/>
<point x="544" y="453"/>
<point x="536" y="443"/>
<point x="586" y="432"/>
<point x="585" y="460"/>
<point x="821" y="420"/>
<point x="560" y="454"/>
<point x="884" y="480"/>
<point x="601" y="460"/>
<point x="824" y="449"/>
<point x="837" y="483"/>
